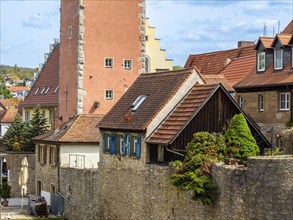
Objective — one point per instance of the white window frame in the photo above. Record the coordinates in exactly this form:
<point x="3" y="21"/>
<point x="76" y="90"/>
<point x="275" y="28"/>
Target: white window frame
<point x="284" y="101"/>
<point x="261" y="103"/>
<point x="276" y="61"/>
<point x="127" y="64"/>
<point x="258" y="61"/>
<point x="107" y="96"/>
<point x="241" y="101"/>
<point x="106" y="64"/>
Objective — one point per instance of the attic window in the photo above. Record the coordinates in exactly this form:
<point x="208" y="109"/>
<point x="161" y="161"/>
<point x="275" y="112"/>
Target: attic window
<point x="278" y="59"/>
<point x="47" y="90"/>
<point x="43" y="90"/>
<point x="56" y="90"/>
<point x="140" y="99"/>
<point x="37" y="90"/>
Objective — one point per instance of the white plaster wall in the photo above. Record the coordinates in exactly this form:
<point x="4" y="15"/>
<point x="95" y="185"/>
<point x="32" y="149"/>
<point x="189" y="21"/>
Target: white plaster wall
<point x="188" y="84"/>
<point x="89" y="153"/>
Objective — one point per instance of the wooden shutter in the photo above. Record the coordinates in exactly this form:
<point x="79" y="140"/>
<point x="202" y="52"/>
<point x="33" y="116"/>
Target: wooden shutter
<point x="103" y="142"/>
<point x="113" y="144"/>
<point x="138" y="146"/>
<point x="124" y="140"/>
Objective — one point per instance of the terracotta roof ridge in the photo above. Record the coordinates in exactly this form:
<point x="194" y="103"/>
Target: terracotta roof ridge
<point x="74" y="121"/>
<point x="168" y="73"/>
<point x="222" y="51"/>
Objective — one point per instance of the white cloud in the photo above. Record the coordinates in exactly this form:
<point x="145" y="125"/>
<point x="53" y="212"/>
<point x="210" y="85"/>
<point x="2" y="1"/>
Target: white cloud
<point x="37" y="21"/>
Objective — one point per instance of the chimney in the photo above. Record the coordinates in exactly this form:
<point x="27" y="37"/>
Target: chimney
<point x="243" y="43"/>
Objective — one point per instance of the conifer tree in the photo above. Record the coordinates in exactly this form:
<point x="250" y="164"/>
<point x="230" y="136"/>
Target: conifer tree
<point x="14" y="139"/>
<point x="240" y="142"/>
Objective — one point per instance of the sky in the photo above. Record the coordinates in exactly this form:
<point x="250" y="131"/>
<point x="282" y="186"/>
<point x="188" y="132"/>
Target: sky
<point x="184" y="26"/>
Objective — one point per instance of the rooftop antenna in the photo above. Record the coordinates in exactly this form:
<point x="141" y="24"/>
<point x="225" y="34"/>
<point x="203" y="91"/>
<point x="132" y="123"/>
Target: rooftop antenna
<point x="273" y="31"/>
<point x="278" y="26"/>
<point x="265" y="30"/>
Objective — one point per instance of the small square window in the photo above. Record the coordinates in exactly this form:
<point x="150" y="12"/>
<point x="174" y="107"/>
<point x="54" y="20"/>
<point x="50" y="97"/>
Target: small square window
<point x="127" y="64"/>
<point x="109" y="94"/>
<point x="109" y="62"/>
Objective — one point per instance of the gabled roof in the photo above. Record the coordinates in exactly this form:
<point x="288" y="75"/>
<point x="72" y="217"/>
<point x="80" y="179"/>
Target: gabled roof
<point x="8" y="103"/>
<point x="183" y="113"/>
<point x="284" y="39"/>
<point x="213" y="62"/>
<point x="159" y="87"/>
<point x="216" y="79"/>
<point x="44" y="91"/>
<point x="265" y="41"/>
<point x="238" y="69"/>
<point x="9" y="115"/>
<point x="80" y="129"/>
<point x="269" y="78"/>
<point x="288" y="29"/>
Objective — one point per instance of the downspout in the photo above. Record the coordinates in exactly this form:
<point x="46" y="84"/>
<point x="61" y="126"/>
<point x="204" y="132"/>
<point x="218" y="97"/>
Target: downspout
<point x="174" y="152"/>
<point x="58" y="167"/>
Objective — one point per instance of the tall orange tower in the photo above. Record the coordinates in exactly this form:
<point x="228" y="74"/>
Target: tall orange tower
<point x="102" y="52"/>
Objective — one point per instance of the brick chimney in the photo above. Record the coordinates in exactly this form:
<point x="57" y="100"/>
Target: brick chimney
<point x="245" y="43"/>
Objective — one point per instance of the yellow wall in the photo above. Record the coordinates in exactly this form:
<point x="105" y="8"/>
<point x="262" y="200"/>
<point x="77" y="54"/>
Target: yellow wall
<point x="47" y="114"/>
<point x="156" y="55"/>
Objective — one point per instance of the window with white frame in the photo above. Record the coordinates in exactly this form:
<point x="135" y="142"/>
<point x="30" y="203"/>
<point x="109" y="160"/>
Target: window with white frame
<point x="261" y="103"/>
<point x="127" y="64"/>
<point x="261" y="58"/>
<point x="109" y="62"/>
<point x="241" y="101"/>
<point x="109" y="94"/>
<point x="284" y="101"/>
<point x="278" y="59"/>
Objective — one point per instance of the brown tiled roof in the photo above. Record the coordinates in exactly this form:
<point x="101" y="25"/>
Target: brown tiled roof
<point x="160" y="87"/>
<point x="238" y="69"/>
<point x="284" y="38"/>
<point x="216" y="79"/>
<point x="9" y="115"/>
<point x="267" y="79"/>
<point x="47" y="81"/>
<point x="8" y="103"/>
<point x="80" y="129"/>
<point x="288" y="29"/>
<point x="212" y="63"/>
<point x="18" y="88"/>
<point x="266" y="41"/>
<point x="186" y="110"/>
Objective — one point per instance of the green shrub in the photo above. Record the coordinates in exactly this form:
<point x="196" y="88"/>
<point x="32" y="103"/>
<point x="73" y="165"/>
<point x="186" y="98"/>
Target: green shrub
<point x="274" y="152"/>
<point x="240" y="142"/>
<point x="195" y="173"/>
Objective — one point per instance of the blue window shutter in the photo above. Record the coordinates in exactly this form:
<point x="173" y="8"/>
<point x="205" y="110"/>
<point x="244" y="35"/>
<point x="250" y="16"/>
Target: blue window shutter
<point x="104" y="142"/>
<point x="129" y="145"/>
<point x="113" y="144"/>
<point x="138" y="146"/>
<point x="124" y="140"/>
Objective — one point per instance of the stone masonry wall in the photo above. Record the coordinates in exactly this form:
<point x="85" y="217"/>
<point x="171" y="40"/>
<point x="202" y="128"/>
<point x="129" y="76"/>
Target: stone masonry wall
<point x="14" y="165"/>
<point x="128" y="189"/>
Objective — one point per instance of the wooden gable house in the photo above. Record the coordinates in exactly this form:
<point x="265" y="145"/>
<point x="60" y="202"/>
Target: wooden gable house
<point x="158" y="115"/>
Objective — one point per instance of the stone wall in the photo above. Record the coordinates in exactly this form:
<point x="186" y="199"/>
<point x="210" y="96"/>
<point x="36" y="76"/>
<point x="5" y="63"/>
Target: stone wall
<point x="13" y="161"/>
<point x="128" y="189"/>
<point x="288" y="141"/>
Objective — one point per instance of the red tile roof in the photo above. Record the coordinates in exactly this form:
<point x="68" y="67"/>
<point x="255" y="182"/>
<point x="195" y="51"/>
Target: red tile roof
<point x="238" y="69"/>
<point x="80" y="129"/>
<point x="160" y="87"/>
<point x="186" y="110"/>
<point x="43" y="91"/>
<point x="266" y="41"/>
<point x="267" y="79"/>
<point x="9" y="115"/>
<point x="18" y="88"/>
<point x="288" y="29"/>
<point x="284" y="38"/>
<point x="212" y="63"/>
<point x="216" y="79"/>
<point x="8" y="103"/>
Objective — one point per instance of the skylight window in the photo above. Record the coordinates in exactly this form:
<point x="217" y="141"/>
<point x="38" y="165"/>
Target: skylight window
<point x="140" y="99"/>
<point x="47" y="90"/>
<point x="43" y="90"/>
<point x="37" y="90"/>
<point x="56" y="90"/>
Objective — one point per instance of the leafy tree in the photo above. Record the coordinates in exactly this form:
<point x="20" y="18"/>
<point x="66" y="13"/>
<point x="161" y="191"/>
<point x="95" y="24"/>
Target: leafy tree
<point x="38" y="126"/>
<point x="14" y="139"/>
<point x="178" y="67"/>
<point x="240" y="142"/>
<point x="195" y="172"/>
